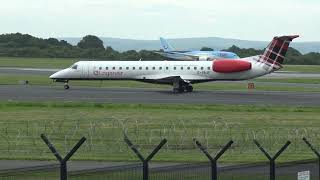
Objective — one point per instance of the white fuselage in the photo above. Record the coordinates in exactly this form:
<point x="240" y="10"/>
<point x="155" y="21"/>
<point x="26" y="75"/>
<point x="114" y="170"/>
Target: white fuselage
<point x="191" y="71"/>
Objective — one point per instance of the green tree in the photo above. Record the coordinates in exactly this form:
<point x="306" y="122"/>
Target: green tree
<point x="206" y="49"/>
<point x="150" y="55"/>
<point x="91" y="41"/>
<point x="111" y="54"/>
<point x="130" y="55"/>
<point x="244" y="52"/>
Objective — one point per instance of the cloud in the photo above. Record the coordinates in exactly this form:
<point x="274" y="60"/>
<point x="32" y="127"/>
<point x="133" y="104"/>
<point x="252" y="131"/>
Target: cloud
<point x="149" y="19"/>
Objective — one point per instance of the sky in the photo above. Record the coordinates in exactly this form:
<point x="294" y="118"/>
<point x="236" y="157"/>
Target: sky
<point x="150" y="19"/>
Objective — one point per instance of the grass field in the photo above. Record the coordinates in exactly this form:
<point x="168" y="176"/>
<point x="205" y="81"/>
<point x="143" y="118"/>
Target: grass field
<point x="6" y="79"/>
<point x="136" y="174"/>
<point x="105" y="124"/>
<point x="302" y="68"/>
<point x="54" y="63"/>
<point x="289" y="80"/>
<point x="10" y="79"/>
<point x="66" y="62"/>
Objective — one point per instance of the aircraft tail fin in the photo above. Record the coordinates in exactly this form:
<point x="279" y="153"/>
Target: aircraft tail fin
<point x="277" y="49"/>
<point x="165" y="45"/>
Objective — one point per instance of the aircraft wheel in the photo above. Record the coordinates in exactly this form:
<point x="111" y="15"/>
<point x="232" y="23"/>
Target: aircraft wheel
<point x="66" y="86"/>
<point x="189" y="88"/>
<point x="178" y="90"/>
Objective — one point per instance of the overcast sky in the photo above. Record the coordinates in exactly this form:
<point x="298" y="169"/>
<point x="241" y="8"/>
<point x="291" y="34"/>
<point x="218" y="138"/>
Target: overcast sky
<point x="149" y="19"/>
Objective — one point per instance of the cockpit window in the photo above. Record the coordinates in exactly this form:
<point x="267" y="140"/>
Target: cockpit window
<point x="74" y="66"/>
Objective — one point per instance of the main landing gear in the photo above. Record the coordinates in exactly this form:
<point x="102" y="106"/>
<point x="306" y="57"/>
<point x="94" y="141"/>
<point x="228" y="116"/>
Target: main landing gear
<point x="181" y="89"/>
<point x="181" y="86"/>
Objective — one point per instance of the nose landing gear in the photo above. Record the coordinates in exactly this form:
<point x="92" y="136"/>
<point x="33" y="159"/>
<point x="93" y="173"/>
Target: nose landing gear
<point x="66" y="86"/>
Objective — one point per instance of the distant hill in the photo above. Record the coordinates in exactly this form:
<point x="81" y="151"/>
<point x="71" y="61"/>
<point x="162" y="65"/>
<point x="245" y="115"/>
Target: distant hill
<point x="194" y="44"/>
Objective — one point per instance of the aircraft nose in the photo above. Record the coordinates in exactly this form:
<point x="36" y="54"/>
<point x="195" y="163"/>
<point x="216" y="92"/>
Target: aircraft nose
<point x="57" y="75"/>
<point x="53" y="76"/>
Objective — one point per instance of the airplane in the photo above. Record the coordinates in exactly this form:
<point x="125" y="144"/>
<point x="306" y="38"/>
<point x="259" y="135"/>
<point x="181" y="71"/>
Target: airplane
<point x="181" y="74"/>
<point x="169" y="52"/>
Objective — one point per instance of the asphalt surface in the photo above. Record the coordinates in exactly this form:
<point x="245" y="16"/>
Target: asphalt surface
<point x="86" y="167"/>
<point x="48" y="72"/>
<point x="27" y="71"/>
<point x="162" y="96"/>
<point x="12" y="165"/>
<point x="165" y="96"/>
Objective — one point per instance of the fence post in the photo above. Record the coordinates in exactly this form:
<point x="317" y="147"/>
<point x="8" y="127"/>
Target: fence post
<point x="145" y="161"/>
<point x="315" y="152"/>
<point x="272" y="160"/>
<point x="213" y="160"/>
<point x="63" y="161"/>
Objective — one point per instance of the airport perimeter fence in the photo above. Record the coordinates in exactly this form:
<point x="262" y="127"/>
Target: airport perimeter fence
<point x="201" y="171"/>
<point x="195" y="171"/>
<point x="308" y="169"/>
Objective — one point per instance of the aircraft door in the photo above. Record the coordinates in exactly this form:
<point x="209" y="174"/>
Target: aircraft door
<point x="85" y="70"/>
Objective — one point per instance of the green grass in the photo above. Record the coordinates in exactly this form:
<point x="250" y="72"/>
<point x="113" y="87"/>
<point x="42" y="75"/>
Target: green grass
<point x="302" y="68"/>
<point x="104" y="125"/>
<point x="258" y="87"/>
<point x="31" y="175"/>
<point x="66" y="62"/>
<point x="37" y="62"/>
<point x="10" y="79"/>
<point x="289" y="80"/>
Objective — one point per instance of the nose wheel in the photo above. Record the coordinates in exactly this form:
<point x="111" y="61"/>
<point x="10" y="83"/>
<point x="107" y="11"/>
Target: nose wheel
<point x="66" y="86"/>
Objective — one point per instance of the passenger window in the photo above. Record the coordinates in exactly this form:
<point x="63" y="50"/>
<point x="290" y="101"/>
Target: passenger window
<point x="133" y="68"/>
<point x="181" y="68"/>
<point x="113" y="68"/>
<point x="75" y="67"/>
<point x="127" y="68"/>
<point x="120" y="68"/>
<point x="153" y="68"/>
<point x="146" y="68"/>
<point x="195" y="68"/>
<point x="140" y="68"/>
<point x="160" y="68"/>
<point x="100" y="68"/>
<point x="208" y="68"/>
<point x="106" y="68"/>
<point x="167" y="68"/>
<point x="201" y="68"/>
<point x="174" y="68"/>
<point x="188" y="68"/>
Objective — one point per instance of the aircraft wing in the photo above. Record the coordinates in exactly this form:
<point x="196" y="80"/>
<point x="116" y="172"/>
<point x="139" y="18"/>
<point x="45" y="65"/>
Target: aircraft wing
<point x="164" y="79"/>
<point x="178" y="53"/>
<point x="173" y="79"/>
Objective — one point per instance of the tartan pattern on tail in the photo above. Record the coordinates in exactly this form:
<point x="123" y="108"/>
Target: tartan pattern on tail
<point x="277" y="49"/>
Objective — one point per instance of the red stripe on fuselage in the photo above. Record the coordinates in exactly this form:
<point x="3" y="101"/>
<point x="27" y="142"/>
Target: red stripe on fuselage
<point x="230" y="66"/>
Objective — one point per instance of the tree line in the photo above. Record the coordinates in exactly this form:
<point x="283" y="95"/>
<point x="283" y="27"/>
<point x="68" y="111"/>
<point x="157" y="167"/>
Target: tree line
<point x="293" y="56"/>
<point x="91" y="47"/>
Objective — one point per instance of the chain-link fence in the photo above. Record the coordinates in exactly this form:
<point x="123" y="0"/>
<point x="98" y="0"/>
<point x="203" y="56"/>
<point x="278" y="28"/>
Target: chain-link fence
<point x="46" y="172"/>
<point x="124" y="172"/>
<point x="194" y="171"/>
